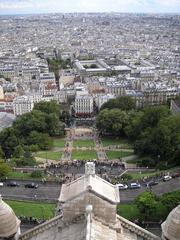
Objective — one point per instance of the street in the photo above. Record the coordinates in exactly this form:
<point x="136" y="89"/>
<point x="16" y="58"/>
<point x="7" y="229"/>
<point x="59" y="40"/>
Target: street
<point x="50" y="192"/>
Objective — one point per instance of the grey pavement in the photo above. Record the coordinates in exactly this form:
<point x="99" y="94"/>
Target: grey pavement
<point x="42" y="193"/>
<point x="51" y="191"/>
<point x="163" y="187"/>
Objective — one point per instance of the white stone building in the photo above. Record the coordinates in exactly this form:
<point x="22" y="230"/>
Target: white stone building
<point x="47" y="77"/>
<point x="22" y="104"/>
<point x="84" y="106"/>
<point x="100" y="99"/>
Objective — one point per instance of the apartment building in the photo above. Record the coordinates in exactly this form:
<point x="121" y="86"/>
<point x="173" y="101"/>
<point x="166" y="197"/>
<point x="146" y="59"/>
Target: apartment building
<point x="22" y="104"/>
<point x="84" y="106"/>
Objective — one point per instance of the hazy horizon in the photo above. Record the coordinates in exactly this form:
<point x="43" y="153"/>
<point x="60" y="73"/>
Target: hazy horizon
<point x="14" y="7"/>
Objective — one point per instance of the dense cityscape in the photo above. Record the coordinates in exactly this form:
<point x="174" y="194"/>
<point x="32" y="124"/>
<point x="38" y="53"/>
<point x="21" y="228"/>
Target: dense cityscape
<point x="90" y="126"/>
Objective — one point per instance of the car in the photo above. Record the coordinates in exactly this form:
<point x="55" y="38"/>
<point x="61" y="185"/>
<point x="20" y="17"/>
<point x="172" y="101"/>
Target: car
<point x="1" y="184"/>
<point x="134" y="185"/>
<point x="175" y="175"/>
<point x="167" y="178"/>
<point x="151" y="183"/>
<point x="13" y="184"/>
<point x="31" y="185"/>
<point x="122" y="186"/>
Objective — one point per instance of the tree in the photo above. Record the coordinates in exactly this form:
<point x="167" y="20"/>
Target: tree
<point x="133" y="128"/>
<point x="4" y="169"/>
<point x="93" y="66"/>
<point x="147" y="204"/>
<point x="37" y="174"/>
<point x="1" y="153"/>
<point x="152" y="116"/>
<point x="162" y="140"/>
<point x="170" y="200"/>
<point x="32" y="121"/>
<point x="66" y="117"/>
<point x="54" y="126"/>
<point x="48" y="107"/>
<point x="26" y="160"/>
<point x="18" y="151"/>
<point x="112" y="122"/>
<point x="8" y="141"/>
<point x="42" y="140"/>
<point x="124" y="103"/>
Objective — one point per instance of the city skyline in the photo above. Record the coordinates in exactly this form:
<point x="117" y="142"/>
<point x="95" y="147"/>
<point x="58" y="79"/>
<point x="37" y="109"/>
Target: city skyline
<point x="44" y="6"/>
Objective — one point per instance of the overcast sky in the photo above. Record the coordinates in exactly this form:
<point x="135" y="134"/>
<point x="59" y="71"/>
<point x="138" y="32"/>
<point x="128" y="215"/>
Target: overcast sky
<point x="45" y="6"/>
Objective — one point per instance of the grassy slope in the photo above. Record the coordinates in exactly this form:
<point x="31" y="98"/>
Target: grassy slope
<point x="37" y="210"/>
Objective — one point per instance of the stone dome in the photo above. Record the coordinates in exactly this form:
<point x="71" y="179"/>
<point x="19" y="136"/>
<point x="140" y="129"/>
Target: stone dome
<point x="9" y="223"/>
<point x="171" y="227"/>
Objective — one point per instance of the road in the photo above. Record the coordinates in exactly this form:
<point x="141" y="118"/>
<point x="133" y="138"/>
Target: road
<point x="162" y="187"/>
<point x="51" y="192"/>
<point x="45" y="192"/>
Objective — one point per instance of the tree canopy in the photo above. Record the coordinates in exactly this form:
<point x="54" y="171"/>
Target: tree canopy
<point x="154" y="131"/>
<point x="112" y="121"/>
<point x="123" y="103"/>
<point x="32" y="130"/>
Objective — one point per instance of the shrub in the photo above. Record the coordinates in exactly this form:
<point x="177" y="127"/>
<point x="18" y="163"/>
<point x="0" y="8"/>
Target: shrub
<point x="4" y="169"/>
<point x="37" y="174"/>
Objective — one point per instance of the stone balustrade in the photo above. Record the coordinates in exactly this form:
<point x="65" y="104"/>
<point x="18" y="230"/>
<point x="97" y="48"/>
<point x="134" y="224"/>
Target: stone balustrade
<point x="136" y="229"/>
<point x="42" y="227"/>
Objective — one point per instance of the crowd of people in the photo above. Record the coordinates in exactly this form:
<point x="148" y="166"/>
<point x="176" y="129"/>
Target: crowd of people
<point x="71" y="170"/>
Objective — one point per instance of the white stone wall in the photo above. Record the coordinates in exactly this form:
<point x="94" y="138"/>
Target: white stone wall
<point x="101" y="208"/>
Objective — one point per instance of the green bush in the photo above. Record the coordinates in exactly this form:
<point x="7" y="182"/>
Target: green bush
<point x="4" y="169"/>
<point x="37" y="174"/>
<point x="126" y="177"/>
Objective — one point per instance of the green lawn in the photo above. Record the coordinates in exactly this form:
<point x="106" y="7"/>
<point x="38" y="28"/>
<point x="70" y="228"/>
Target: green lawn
<point x="118" y="154"/>
<point x="29" y="209"/>
<point x="49" y="155"/>
<point x="83" y="155"/>
<point x="19" y="175"/>
<point x="113" y="141"/>
<point x="83" y="143"/>
<point x="58" y="142"/>
<point x="128" y="211"/>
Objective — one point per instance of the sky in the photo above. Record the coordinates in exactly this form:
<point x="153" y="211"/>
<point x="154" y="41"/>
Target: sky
<point x="48" y="6"/>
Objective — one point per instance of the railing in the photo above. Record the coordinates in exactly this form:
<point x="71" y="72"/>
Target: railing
<point x="44" y="226"/>
<point x="136" y="229"/>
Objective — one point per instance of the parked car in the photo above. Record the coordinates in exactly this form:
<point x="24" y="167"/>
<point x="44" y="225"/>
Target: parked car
<point x="1" y="184"/>
<point x="13" y="184"/>
<point x="175" y="175"/>
<point x="134" y="185"/>
<point x="167" y="178"/>
<point x="151" y="183"/>
<point x="31" y="185"/>
<point x="122" y="186"/>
